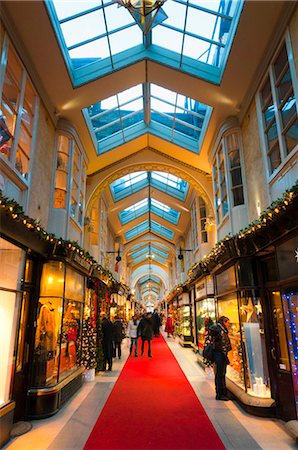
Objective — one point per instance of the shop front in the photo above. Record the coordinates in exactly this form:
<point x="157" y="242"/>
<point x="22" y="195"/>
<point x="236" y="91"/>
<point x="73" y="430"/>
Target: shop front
<point x="279" y="271"/>
<point x="56" y="370"/>
<point x="247" y="374"/>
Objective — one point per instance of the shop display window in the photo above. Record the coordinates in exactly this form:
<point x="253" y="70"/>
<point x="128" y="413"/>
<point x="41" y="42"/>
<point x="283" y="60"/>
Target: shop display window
<point x="228" y="306"/>
<point x="184" y="321"/>
<point x="251" y="317"/>
<point x="205" y="316"/>
<point x="12" y="268"/>
<point x="59" y="319"/>
<point x="290" y="306"/>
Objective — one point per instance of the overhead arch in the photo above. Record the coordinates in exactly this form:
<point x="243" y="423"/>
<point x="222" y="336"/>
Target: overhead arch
<point x="161" y="167"/>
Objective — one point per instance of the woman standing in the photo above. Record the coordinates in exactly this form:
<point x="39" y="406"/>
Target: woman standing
<point x="133" y="334"/>
<point x="169" y="329"/>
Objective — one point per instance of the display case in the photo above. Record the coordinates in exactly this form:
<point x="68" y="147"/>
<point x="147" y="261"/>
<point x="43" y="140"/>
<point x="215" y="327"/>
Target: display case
<point x="56" y="358"/>
<point x="184" y="321"/>
<point x="205" y="316"/>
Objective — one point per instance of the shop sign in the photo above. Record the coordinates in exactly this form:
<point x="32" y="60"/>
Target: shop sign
<point x="81" y="262"/>
<point x="204" y="288"/>
<point x="226" y="281"/>
<point x="287" y="258"/>
<point x="183" y="299"/>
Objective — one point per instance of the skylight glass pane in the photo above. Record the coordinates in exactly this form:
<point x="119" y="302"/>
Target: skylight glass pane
<point x="135" y="231"/>
<point x="132" y="120"/>
<point x="186" y="131"/>
<point x="207" y="22"/>
<point x="130" y="94"/>
<point x="82" y="28"/>
<point x="127" y="185"/>
<point x="134" y="211"/>
<point x="131" y="106"/>
<point x="159" y="105"/>
<point x="117" y="17"/>
<point x="122" y="40"/>
<point x="176" y="14"/>
<point x="162" y="119"/>
<point x="91" y="52"/>
<point x="67" y="9"/>
<point x="164" y="211"/>
<point x="167" y="38"/>
<point x="162" y="93"/>
<point x="161" y="230"/>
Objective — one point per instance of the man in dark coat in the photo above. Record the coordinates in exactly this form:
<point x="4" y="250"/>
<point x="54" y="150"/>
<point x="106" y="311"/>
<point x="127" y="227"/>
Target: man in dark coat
<point x="145" y="330"/>
<point x="219" y="335"/>
<point x="107" y="341"/>
<point x="156" y="323"/>
<point x="118" y="333"/>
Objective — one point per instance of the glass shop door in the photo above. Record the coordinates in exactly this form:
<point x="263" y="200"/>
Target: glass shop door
<point x="21" y="380"/>
<point x="281" y="375"/>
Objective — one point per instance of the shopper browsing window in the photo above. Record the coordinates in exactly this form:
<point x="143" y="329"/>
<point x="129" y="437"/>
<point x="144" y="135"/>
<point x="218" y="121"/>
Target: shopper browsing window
<point x="221" y="346"/>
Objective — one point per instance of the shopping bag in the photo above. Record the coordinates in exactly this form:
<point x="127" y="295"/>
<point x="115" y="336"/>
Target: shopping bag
<point x="208" y="352"/>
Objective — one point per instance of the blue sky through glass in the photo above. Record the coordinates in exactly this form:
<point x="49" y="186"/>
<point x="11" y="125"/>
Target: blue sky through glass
<point x="197" y="31"/>
<point x="134" y="182"/>
<point x="170" y="115"/>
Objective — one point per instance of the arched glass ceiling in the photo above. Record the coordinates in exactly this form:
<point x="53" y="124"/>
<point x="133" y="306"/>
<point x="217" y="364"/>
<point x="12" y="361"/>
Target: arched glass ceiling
<point x="156" y="207"/>
<point x="146" y="252"/>
<point x="134" y="182"/>
<point x="97" y="37"/>
<point x="144" y="227"/>
<point x="147" y="108"/>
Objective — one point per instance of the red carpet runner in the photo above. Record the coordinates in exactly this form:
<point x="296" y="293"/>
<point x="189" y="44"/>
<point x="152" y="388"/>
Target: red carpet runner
<point x="153" y="406"/>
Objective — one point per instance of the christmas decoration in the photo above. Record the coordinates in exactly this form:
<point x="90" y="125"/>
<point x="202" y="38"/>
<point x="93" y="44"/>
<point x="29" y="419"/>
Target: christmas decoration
<point x="88" y="358"/>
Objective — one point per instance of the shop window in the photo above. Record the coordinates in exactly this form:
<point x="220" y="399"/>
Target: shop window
<point x="282" y="355"/>
<point x="194" y="225"/>
<point x="279" y="110"/>
<point x="233" y="150"/>
<point x="252" y="326"/>
<point x="62" y="170"/>
<point x="70" y="178"/>
<point x="17" y="114"/>
<point x="59" y="320"/>
<point x="203" y="218"/>
<point x="12" y="268"/>
<point x="227" y="176"/>
<point x="205" y="318"/>
<point x="228" y="306"/>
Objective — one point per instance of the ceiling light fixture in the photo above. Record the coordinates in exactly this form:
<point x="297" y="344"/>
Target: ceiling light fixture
<point x="146" y="13"/>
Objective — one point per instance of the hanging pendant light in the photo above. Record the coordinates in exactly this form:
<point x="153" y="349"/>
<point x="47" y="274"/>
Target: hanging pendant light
<point x="146" y="13"/>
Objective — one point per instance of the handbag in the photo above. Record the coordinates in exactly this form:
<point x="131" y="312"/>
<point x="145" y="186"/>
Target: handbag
<point x="208" y="352"/>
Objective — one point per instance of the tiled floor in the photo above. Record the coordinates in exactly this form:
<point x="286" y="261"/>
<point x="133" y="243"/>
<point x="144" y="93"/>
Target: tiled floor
<point x="70" y="428"/>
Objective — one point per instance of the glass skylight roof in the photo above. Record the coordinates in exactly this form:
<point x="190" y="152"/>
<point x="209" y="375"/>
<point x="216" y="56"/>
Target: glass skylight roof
<point x="144" y="227"/>
<point x="145" y="253"/>
<point x="142" y="207"/>
<point x="97" y="38"/>
<point x="169" y="115"/>
<point x="134" y="182"/>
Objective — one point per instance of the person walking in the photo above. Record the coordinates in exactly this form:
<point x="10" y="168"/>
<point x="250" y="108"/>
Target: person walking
<point x="118" y="334"/>
<point x="107" y="341"/>
<point x="132" y="332"/>
<point x="145" y="330"/>
<point x="219" y="335"/>
<point x="169" y="328"/>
